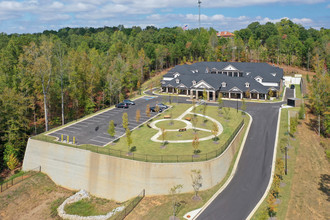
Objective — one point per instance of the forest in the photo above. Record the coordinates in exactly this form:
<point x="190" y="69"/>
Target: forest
<point x="51" y="78"/>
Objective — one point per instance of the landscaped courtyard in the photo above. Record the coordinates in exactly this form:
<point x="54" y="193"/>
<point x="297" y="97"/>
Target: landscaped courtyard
<point x="148" y="140"/>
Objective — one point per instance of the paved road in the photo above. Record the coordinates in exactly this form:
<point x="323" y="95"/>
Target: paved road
<point x="254" y="168"/>
<point x="94" y="130"/>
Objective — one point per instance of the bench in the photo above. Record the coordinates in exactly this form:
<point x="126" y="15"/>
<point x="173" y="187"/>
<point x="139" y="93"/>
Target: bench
<point x="188" y="118"/>
<point x="167" y="116"/>
<point x="182" y="129"/>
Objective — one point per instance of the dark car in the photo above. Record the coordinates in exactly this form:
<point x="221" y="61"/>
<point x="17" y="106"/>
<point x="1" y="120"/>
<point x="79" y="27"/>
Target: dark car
<point x="122" y="105"/>
<point x="154" y="109"/>
<point x="129" y="102"/>
<point x="292" y="86"/>
<point x="161" y="105"/>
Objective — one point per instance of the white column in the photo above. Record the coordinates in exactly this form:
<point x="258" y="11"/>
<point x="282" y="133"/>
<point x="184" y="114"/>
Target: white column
<point x="265" y="96"/>
<point x="229" y="95"/>
<point x="208" y="95"/>
<point x="187" y="92"/>
<point x="258" y="96"/>
<point x="166" y="89"/>
<point x="241" y="95"/>
<point x="213" y="95"/>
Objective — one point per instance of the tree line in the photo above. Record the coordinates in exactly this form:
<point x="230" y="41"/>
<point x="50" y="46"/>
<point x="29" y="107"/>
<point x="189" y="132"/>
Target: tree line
<point x="50" y="78"/>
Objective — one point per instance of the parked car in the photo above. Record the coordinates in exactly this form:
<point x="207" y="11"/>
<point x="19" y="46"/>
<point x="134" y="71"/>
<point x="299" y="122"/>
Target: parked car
<point x="161" y="105"/>
<point x="122" y="105"/>
<point x="129" y="102"/>
<point x="292" y="87"/>
<point x="154" y="109"/>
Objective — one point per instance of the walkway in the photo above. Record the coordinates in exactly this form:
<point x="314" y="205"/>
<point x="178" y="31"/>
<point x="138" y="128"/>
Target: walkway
<point x="189" y="126"/>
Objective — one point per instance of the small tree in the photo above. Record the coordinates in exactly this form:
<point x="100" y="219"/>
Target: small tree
<point x="247" y="93"/>
<point x="279" y="168"/>
<point x="302" y="111"/>
<point x="125" y="120"/>
<point x="196" y="177"/>
<point x="138" y="86"/>
<point x="12" y="162"/>
<point x="128" y="138"/>
<point x="226" y="111"/>
<point x="111" y="129"/>
<point x="148" y="111"/>
<point x="163" y="134"/>
<point x="215" y="130"/>
<point x="220" y="102"/>
<point x="138" y="115"/>
<point x="243" y="107"/>
<point x="293" y="125"/>
<point x="194" y="121"/>
<point x="173" y="192"/>
<point x="157" y="109"/>
<point x="272" y="207"/>
<point x="270" y="93"/>
<point x="204" y="95"/>
<point x="195" y="144"/>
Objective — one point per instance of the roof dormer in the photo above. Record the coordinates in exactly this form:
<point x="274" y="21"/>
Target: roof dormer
<point x="247" y="85"/>
<point x="177" y="81"/>
<point x="258" y="79"/>
<point x="176" y="75"/>
<point x="194" y="82"/>
<point x="223" y="84"/>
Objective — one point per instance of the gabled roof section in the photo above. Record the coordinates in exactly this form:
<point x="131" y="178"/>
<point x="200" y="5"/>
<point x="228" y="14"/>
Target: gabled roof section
<point x="229" y="67"/>
<point x="235" y="89"/>
<point x="203" y="85"/>
<point x="182" y="86"/>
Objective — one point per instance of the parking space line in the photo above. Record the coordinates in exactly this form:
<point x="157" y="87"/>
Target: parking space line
<point x="102" y="142"/>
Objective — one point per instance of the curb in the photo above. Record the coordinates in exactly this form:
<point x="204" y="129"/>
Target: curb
<point x="232" y="172"/>
<point x="273" y="169"/>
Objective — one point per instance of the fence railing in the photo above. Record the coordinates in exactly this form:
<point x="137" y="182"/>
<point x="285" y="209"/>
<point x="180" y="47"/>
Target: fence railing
<point x="130" y="206"/>
<point x="9" y="183"/>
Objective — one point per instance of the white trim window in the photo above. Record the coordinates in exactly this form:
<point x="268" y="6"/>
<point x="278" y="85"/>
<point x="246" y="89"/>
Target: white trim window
<point x="247" y="85"/>
<point x="223" y="84"/>
<point x="194" y="82"/>
<point x="177" y="81"/>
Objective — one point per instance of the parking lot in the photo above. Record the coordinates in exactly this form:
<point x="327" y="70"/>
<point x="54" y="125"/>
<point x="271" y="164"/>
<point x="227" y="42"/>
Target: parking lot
<point x="93" y="130"/>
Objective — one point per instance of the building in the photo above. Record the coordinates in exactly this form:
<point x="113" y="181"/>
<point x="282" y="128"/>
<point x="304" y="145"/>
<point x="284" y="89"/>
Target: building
<point x="225" y="34"/>
<point x="232" y="80"/>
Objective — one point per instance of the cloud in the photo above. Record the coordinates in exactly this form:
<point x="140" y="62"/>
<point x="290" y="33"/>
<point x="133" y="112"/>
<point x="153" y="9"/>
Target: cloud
<point x="61" y="13"/>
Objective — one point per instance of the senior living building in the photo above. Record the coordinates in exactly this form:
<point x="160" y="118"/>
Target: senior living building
<point x="231" y="79"/>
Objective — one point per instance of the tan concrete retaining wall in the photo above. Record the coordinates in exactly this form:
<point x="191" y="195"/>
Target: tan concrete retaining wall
<point x="117" y="178"/>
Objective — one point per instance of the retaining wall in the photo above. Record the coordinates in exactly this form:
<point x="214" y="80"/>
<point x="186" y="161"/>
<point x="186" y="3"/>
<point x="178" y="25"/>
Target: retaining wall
<point x="117" y="178"/>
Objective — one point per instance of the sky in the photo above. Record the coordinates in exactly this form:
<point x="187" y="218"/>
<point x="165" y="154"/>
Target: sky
<point x="32" y="16"/>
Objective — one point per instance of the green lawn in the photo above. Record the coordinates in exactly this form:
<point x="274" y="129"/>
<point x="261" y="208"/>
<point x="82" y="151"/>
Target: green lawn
<point x="202" y="122"/>
<point x="186" y="135"/>
<point x="171" y="124"/>
<point x="298" y="91"/>
<point x="146" y="146"/>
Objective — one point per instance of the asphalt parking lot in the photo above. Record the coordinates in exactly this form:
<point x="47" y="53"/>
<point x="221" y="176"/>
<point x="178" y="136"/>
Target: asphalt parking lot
<point x="93" y="130"/>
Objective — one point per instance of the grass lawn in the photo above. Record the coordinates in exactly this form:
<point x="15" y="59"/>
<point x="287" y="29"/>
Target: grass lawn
<point x="146" y="146"/>
<point x="91" y="207"/>
<point x="298" y="91"/>
<point x="171" y="124"/>
<point x="186" y="135"/>
<point x="202" y="122"/>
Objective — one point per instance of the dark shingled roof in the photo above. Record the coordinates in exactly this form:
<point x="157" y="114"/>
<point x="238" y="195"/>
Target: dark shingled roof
<point x="197" y="72"/>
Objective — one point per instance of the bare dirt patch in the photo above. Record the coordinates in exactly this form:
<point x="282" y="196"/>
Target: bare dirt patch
<point x="308" y="200"/>
<point x="31" y="199"/>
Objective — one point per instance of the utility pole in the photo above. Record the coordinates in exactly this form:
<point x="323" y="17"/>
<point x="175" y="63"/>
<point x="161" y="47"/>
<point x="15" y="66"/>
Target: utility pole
<point x="199" y="12"/>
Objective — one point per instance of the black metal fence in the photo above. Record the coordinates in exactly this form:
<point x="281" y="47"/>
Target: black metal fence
<point x="130" y="206"/>
<point x="9" y="183"/>
<point x="163" y="158"/>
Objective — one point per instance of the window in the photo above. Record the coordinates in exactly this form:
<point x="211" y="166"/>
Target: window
<point x="177" y="81"/>
<point x="194" y="83"/>
<point x="225" y="73"/>
<point x="223" y="84"/>
<point x="247" y="85"/>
